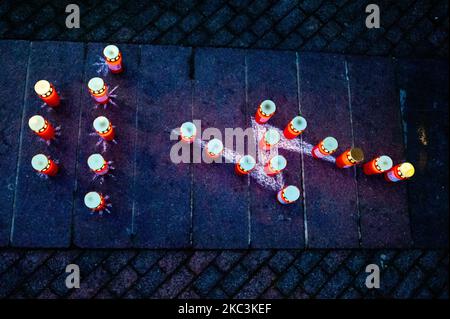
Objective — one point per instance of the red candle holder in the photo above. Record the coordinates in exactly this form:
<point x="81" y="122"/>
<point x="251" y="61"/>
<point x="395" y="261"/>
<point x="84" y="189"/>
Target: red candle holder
<point x="325" y="148"/>
<point x="44" y="165"/>
<point x="378" y="165"/>
<point x="113" y="58"/>
<point x="41" y="127"/>
<point x="245" y="165"/>
<point x="270" y="138"/>
<point x="350" y="158"/>
<point x="47" y="92"/>
<point x="295" y="127"/>
<point x="98" y="90"/>
<point x="400" y="172"/>
<point x="275" y="165"/>
<point x="104" y="128"/>
<point x="265" y="111"/>
<point x="98" y="165"/>
<point x="288" y="195"/>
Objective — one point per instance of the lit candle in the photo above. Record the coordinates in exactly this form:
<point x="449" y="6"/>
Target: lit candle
<point x="350" y="158"/>
<point x="104" y="128"/>
<point x="378" y="165"/>
<point x="245" y="165"/>
<point x="288" y="195"/>
<point x="95" y="201"/>
<point x="98" y="90"/>
<point x="325" y="148"/>
<point x="275" y="165"/>
<point x="214" y="148"/>
<point x="113" y="58"/>
<point x="188" y="132"/>
<point x="41" y="127"/>
<point x="97" y="164"/>
<point x="44" y="165"/>
<point x="295" y="127"/>
<point x="47" y="92"/>
<point x="265" y="111"/>
<point x="269" y="139"/>
<point x="400" y="172"/>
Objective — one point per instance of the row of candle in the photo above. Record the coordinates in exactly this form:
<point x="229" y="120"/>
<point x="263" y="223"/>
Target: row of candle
<point x="103" y="127"/>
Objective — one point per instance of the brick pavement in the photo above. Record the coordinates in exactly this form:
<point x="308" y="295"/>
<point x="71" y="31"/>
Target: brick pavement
<point x="223" y="274"/>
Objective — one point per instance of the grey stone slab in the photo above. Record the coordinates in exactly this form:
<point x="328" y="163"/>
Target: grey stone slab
<point x="331" y="210"/>
<point x="220" y="200"/>
<point x="162" y="217"/>
<point x="14" y="56"/>
<point x="377" y="130"/>
<point x="423" y="89"/>
<point x="43" y="208"/>
<point x="273" y="75"/>
<point x="114" y="229"/>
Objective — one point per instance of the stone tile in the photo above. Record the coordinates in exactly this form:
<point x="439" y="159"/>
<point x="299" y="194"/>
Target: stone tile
<point x="382" y="205"/>
<point x="39" y="222"/>
<point x="219" y="85"/>
<point x="331" y="210"/>
<point x="14" y="56"/>
<point x="424" y="95"/>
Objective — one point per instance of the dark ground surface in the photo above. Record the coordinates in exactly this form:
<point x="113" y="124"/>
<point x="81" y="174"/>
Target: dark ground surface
<point x="413" y="29"/>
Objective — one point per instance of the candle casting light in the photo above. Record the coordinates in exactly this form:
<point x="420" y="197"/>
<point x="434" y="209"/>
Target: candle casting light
<point x="350" y="158"/>
<point x="378" y="165"/>
<point x="275" y="165"/>
<point x="265" y="111"/>
<point x="288" y="195"/>
<point x="97" y="203"/>
<point x="113" y="58"/>
<point x="42" y="128"/>
<point x="245" y="165"/>
<point x="400" y="172"/>
<point x="325" y="148"/>
<point x="99" y="166"/>
<point x="214" y="148"/>
<point x="47" y="92"/>
<point x="295" y="127"/>
<point x="98" y="90"/>
<point x="188" y="131"/>
<point x="44" y="165"/>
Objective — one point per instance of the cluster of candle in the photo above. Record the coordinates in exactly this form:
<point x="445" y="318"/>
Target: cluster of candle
<point x="276" y="164"/>
<point x="98" y="89"/>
